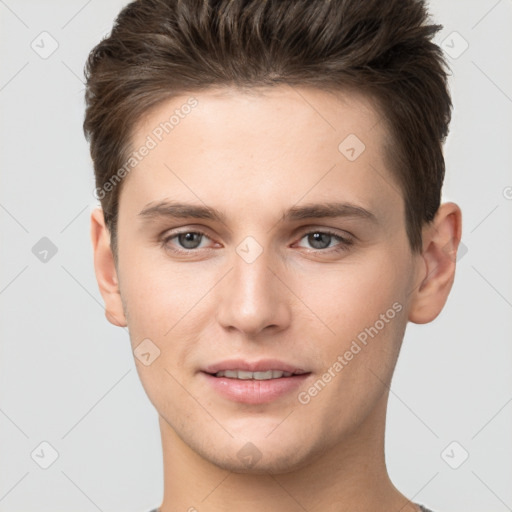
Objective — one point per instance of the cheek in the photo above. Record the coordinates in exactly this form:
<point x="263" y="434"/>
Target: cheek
<point x="162" y="300"/>
<point x="164" y="305"/>
<point x="352" y="296"/>
<point x="363" y="304"/>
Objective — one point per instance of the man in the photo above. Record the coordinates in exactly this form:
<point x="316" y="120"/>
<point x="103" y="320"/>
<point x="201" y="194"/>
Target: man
<point x="270" y="177"/>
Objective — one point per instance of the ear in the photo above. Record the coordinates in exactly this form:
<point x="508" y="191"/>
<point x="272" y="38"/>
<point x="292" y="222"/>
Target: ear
<point x="104" y="267"/>
<point x="436" y="272"/>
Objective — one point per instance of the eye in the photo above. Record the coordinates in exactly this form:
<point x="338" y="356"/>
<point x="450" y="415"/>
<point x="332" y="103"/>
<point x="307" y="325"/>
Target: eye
<point x="321" y="240"/>
<point x="187" y="240"/>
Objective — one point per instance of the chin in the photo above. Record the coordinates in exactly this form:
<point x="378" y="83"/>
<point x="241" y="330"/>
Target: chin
<point x="262" y="458"/>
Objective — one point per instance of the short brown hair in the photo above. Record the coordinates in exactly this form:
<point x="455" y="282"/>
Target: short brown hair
<point x="158" y="49"/>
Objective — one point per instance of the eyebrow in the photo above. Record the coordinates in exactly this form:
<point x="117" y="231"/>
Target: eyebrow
<point x="173" y="209"/>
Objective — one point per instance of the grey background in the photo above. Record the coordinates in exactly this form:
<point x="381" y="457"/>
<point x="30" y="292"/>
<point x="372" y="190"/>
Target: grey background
<point x="68" y="378"/>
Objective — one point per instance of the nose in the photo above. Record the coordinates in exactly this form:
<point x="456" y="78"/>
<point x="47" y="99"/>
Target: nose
<point x="252" y="297"/>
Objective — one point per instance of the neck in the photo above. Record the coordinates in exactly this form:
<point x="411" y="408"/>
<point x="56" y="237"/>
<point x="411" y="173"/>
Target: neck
<point x="350" y="476"/>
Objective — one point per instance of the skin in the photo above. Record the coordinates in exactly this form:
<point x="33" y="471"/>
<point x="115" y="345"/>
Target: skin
<point x="253" y="155"/>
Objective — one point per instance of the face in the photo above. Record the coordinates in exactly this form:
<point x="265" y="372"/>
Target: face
<point x="262" y="233"/>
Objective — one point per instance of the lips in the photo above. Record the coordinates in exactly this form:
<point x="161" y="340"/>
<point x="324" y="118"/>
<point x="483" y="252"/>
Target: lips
<point x="249" y="382"/>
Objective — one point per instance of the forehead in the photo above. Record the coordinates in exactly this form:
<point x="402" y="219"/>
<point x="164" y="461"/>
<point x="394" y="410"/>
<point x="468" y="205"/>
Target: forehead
<point x="309" y="112"/>
<point x="261" y="144"/>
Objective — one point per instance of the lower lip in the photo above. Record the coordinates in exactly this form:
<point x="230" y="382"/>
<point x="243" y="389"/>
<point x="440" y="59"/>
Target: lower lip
<point x="255" y="391"/>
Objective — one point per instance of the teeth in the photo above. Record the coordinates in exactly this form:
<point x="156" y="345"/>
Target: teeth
<point x="266" y="375"/>
<point x="244" y="375"/>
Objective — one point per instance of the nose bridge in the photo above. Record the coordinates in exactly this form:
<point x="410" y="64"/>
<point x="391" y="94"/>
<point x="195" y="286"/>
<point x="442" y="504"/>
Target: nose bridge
<point x="252" y="298"/>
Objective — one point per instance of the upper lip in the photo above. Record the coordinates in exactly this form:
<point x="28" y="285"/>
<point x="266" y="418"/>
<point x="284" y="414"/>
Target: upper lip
<point x="261" y="365"/>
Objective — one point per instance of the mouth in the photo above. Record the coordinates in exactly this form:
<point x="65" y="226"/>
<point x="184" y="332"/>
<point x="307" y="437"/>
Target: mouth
<point x="262" y="375"/>
<point x="254" y="382"/>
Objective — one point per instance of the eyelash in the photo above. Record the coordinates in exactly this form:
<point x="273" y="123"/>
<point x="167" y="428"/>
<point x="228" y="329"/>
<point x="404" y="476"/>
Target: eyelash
<point x="343" y="246"/>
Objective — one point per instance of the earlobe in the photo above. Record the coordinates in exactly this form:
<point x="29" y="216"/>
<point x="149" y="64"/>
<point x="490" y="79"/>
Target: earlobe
<point x="105" y="270"/>
<point x="440" y="243"/>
